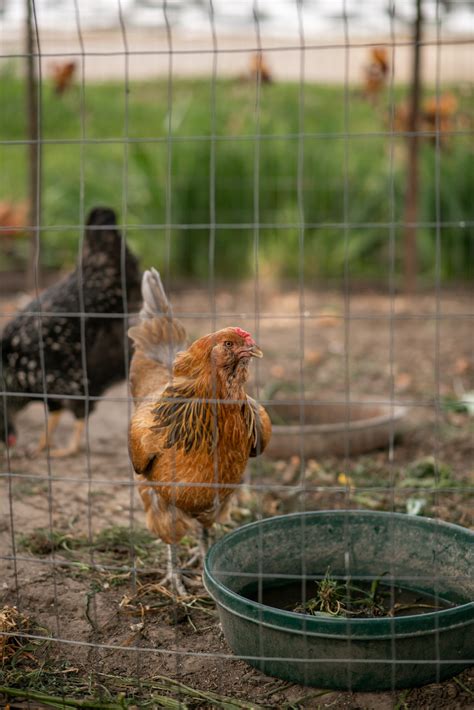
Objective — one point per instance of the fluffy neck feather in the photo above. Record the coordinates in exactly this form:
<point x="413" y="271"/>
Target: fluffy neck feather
<point x="195" y="365"/>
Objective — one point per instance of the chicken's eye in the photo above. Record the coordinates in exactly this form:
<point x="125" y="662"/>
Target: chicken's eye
<point x="228" y="343"/>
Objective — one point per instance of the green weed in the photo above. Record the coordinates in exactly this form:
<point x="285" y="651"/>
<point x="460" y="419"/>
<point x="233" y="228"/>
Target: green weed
<point x="259" y="190"/>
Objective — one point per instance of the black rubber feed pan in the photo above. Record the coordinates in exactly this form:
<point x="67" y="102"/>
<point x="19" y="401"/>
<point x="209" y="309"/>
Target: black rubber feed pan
<point x="334" y="429"/>
<point x="427" y="557"/>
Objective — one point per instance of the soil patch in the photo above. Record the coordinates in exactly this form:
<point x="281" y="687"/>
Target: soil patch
<point x="77" y="560"/>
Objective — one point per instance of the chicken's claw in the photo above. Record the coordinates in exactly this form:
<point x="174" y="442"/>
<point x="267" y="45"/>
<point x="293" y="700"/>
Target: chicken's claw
<point x="173" y="576"/>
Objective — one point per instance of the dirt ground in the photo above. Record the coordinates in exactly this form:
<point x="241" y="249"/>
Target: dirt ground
<point x="93" y="583"/>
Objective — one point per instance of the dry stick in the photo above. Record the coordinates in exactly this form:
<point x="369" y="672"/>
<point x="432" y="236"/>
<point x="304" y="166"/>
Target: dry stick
<point x="464" y="687"/>
<point x="310" y="696"/>
<point x="164" y="683"/>
<point x="60" y="702"/>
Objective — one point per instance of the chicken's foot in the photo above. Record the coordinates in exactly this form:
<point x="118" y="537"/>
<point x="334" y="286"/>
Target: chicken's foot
<point x="74" y="445"/>
<point x="173" y="576"/>
<point x="200" y="551"/>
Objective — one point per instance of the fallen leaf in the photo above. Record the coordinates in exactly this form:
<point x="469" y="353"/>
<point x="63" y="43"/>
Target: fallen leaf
<point x="327" y="321"/>
<point x="271" y="506"/>
<point x="366" y="501"/>
<point x="344" y="480"/>
<point x="468" y="401"/>
<point x="415" y="506"/>
<point x="403" y="380"/>
<point x="313" y="357"/>
<point x="291" y="474"/>
<point x="277" y="371"/>
<point x="462" y="365"/>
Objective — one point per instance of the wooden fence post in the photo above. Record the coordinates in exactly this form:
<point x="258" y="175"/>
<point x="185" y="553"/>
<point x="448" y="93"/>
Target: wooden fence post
<point x="34" y="148"/>
<point x="410" y="260"/>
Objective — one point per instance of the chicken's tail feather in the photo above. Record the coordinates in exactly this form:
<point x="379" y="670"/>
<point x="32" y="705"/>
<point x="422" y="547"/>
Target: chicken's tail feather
<point x="155" y="301"/>
<point x="158" y="335"/>
<point x="101" y="233"/>
<point x="101" y="217"/>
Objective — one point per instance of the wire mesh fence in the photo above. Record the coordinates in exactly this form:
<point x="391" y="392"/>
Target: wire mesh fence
<point x="303" y="184"/>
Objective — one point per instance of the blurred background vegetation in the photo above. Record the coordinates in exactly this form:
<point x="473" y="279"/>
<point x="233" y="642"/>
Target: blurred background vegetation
<point x="256" y="179"/>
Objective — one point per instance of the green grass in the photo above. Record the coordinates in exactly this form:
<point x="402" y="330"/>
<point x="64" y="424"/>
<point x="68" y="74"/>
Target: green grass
<point x="115" y="542"/>
<point x="292" y="177"/>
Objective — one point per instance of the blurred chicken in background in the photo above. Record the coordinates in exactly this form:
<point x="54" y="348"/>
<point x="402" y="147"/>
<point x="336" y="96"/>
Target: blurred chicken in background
<point x="259" y="69"/>
<point x="69" y="345"/>
<point x="438" y="113"/>
<point x="376" y="73"/>
<point x="13" y="218"/>
<point x="62" y="75"/>
<point x="13" y="227"/>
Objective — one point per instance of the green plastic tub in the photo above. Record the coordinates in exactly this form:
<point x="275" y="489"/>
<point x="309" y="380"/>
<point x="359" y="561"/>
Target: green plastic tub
<point x="418" y="554"/>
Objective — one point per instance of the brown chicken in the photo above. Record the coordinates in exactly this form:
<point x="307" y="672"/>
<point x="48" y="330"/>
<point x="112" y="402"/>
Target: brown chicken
<point x="259" y="69"/>
<point x="13" y="226"/>
<point x="437" y="115"/>
<point x="62" y="75"/>
<point x="376" y="73"/>
<point x="194" y="427"/>
<point x="13" y="218"/>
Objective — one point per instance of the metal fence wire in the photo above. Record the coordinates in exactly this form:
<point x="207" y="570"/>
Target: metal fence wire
<point x="312" y="195"/>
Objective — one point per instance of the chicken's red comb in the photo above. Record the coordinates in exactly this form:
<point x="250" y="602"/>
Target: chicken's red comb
<point x="246" y="336"/>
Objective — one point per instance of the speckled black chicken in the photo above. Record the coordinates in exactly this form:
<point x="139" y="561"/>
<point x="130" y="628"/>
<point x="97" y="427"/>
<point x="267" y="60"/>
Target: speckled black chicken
<point x="70" y="344"/>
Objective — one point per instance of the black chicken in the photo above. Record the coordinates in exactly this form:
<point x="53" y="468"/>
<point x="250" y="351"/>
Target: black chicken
<point x="69" y="345"/>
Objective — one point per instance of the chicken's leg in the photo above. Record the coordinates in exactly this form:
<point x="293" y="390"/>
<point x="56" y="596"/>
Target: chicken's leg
<point x="46" y="437"/>
<point x="74" y="444"/>
<point x="204" y="541"/>
<point x="173" y="576"/>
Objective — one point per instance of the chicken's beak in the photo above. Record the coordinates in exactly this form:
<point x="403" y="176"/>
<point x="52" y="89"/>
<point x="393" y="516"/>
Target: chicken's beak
<point x="251" y="351"/>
